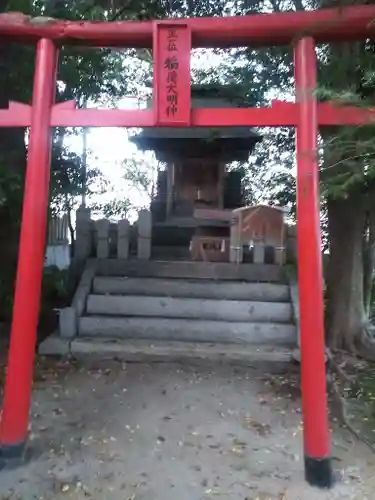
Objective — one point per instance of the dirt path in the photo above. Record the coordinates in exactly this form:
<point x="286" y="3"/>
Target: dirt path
<point x="167" y="432"/>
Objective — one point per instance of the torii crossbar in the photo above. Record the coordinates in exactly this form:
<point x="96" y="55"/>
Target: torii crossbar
<point x="172" y="42"/>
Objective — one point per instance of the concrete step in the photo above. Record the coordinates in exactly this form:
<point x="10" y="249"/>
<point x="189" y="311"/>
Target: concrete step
<point x="205" y="309"/>
<point x="188" y="330"/>
<point x="263" y="273"/>
<point x="145" y="351"/>
<point x="273" y="359"/>
<point x="231" y="290"/>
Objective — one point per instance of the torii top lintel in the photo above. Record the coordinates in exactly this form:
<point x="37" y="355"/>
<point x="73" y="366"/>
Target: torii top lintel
<point x="326" y="25"/>
<point x="172" y="41"/>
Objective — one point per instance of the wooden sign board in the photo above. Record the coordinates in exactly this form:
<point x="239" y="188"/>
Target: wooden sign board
<point x="172" y="94"/>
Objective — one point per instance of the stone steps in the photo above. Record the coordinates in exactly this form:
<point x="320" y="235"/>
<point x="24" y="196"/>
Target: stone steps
<point x="186" y="308"/>
<point x="186" y="302"/>
<point x="187" y="330"/>
<point x="158" y="351"/>
<point x="198" y="289"/>
<point x="255" y="273"/>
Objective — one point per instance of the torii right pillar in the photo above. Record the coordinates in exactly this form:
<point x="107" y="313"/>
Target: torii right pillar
<point x="318" y="468"/>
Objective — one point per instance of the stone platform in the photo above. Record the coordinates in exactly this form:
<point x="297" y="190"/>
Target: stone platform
<point x="188" y="302"/>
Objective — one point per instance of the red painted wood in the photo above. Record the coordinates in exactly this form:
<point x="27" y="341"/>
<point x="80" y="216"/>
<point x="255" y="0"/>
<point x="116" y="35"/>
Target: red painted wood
<point x="16" y="403"/>
<point x="102" y="118"/>
<point x="172" y="94"/>
<point x="310" y="274"/>
<point x="17" y="115"/>
<point x="325" y="25"/>
<point x="279" y="114"/>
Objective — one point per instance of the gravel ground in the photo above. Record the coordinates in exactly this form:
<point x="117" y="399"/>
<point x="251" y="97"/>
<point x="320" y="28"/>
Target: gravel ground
<point x="116" y="431"/>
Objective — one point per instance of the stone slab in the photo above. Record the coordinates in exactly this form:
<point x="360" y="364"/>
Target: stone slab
<point x="123" y="239"/>
<point x="265" y="292"/>
<point x="188" y="330"/>
<point x="294" y="298"/>
<point x="54" y="346"/>
<point x="102" y="249"/>
<point x="207" y="309"/>
<point x="68" y="322"/>
<point x="143" y="351"/>
<point x="144" y="248"/>
<point x="68" y="316"/>
<point x="262" y="273"/>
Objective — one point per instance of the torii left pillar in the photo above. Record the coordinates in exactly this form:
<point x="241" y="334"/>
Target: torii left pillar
<point x="17" y="395"/>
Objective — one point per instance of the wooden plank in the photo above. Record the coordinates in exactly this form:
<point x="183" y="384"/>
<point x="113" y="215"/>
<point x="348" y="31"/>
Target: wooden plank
<point x="172" y="45"/>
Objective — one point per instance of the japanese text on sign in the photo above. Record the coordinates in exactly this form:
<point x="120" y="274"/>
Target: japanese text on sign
<point x="172" y="74"/>
<point x="171" y="64"/>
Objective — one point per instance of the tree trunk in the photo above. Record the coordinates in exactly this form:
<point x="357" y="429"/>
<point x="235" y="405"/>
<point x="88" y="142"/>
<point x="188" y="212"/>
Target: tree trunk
<point x="368" y="260"/>
<point x="346" y="316"/>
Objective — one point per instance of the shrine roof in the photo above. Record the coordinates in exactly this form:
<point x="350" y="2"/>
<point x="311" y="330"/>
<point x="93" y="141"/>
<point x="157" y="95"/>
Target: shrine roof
<point x="262" y="206"/>
<point x="203" y="96"/>
<point x="233" y="93"/>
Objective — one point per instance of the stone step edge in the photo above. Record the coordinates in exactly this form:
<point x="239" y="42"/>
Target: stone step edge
<point x="143" y="351"/>
<point x="193" y="310"/>
<point x="216" y="299"/>
<point x="167" y="329"/>
<point x="198" y="299"/>
<point x="198" y="292"/>
<point x="190" y="281"/>
<point x="221" y="271"/>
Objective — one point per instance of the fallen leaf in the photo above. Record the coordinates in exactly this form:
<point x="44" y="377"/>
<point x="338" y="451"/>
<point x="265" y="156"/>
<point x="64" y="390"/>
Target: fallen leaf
<point x="239" y="452"/>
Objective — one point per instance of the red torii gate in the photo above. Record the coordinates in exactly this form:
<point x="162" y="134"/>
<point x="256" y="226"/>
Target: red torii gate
<point x="172" y="41"/>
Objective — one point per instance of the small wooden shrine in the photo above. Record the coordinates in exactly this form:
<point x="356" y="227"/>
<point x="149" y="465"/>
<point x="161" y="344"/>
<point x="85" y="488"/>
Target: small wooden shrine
<point x="258" y="235"/>
<point x="195" y="193"/>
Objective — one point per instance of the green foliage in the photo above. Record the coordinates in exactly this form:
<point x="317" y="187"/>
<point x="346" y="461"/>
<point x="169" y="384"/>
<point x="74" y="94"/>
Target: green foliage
<point x="55" y="288"/>
<point x="56" y="292"/>
<point x="282" y="191"/>
<point x="138" y="175"/>
<point x="346" y="75"/>
<point x="291" y="270"/>
<point x="67" y="180"/>
<point x="349" y="156"/>
<point x="255" y="77"/>
<point x="114" y="209"/>
<point x="6" y="298"/>
<point x="11" y="193"/>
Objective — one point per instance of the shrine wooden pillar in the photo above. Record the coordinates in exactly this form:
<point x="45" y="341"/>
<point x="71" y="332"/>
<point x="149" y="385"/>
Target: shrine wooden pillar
<point x="170" y="188"/>
<point x="221" y="184"/>
<point x="310" y="275"/>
